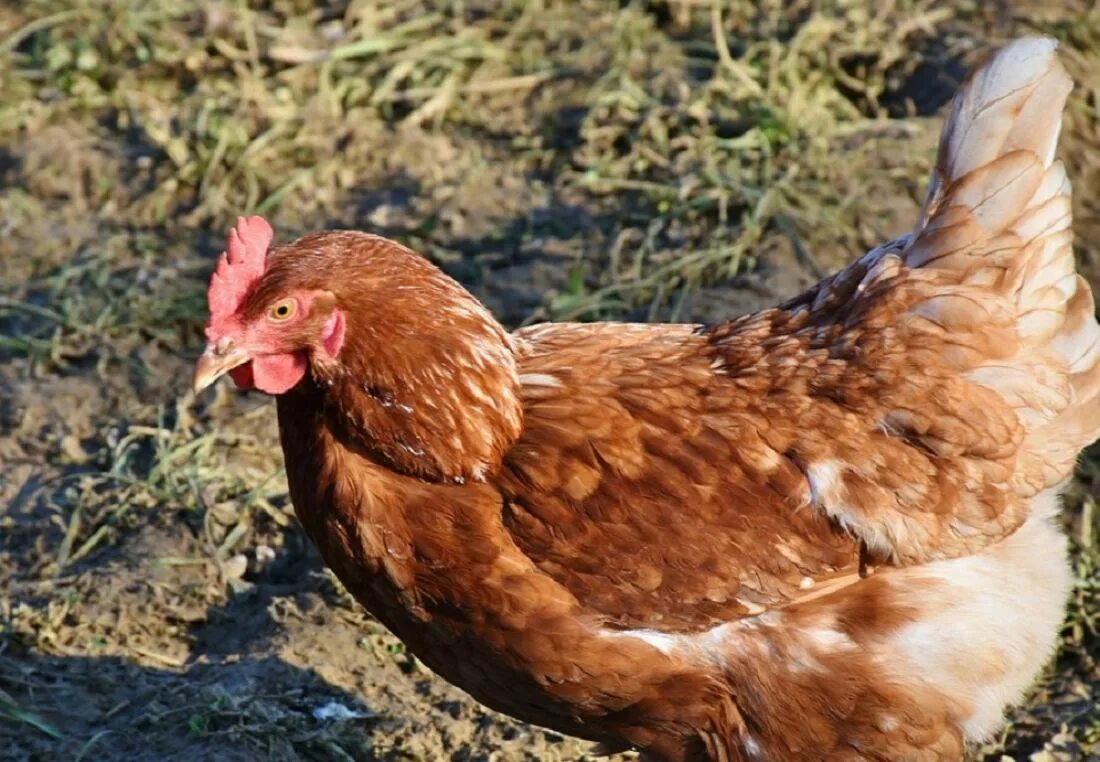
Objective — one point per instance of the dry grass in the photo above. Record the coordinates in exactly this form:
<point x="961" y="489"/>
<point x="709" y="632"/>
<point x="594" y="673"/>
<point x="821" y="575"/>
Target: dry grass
<point x="663" y="160"/>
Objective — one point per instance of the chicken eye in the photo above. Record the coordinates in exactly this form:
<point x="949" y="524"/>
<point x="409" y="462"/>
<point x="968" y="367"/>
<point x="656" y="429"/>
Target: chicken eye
<point x="283" y="310"/>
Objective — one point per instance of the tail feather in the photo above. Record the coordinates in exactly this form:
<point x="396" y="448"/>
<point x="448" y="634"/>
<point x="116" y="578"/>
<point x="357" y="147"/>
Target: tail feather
<point x="996" y="221"/>
<point x="1078" y="342"/>
<point x="1005" y="106"/>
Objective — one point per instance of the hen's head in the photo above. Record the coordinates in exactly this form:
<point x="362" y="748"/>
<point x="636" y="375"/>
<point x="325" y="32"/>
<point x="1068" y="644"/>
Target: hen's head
<point x="416" y="363"/>
<point x="266" y="325"/>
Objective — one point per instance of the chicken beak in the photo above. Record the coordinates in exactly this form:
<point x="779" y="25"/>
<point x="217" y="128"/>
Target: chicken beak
<point x="215" y="362"/>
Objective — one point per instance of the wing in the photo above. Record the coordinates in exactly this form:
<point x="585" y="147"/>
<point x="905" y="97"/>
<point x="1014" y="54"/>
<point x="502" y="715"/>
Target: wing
<point x="672" y="477"/>
<point x="646" y="485"/>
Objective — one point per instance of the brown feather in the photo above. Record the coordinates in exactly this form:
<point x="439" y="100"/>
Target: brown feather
<point x="820" y="532"/>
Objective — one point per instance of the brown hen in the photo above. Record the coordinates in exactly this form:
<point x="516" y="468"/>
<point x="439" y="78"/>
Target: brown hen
<point x="826" y="531"/>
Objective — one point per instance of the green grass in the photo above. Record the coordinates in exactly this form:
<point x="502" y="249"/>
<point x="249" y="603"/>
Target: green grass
<point x="713" y="130"/>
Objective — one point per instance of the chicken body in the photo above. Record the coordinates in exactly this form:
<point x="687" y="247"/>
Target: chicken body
<point x="825" y="531"/>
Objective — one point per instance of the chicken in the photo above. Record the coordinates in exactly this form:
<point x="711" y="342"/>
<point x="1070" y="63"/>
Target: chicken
<point x="825" y="531"/>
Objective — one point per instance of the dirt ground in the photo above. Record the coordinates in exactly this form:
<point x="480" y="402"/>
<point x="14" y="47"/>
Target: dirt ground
<point x="580" y="160"/>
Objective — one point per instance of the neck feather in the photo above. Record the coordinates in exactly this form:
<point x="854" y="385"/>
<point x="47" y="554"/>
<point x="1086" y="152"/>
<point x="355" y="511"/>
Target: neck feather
<point x="426" y="381"/>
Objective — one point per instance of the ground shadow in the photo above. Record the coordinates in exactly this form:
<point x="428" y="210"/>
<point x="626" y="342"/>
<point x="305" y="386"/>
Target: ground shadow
<point x="233" y="709"/>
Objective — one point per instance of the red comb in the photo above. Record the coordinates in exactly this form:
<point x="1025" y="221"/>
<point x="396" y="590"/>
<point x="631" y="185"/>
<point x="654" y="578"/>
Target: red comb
<point x="241" y="265"/>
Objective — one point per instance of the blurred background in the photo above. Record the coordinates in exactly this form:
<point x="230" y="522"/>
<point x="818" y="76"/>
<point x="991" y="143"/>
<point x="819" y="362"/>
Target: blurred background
<point x="679" y="160"/>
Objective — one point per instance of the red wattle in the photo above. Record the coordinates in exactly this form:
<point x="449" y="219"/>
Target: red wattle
<point x="276" y="374"/>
